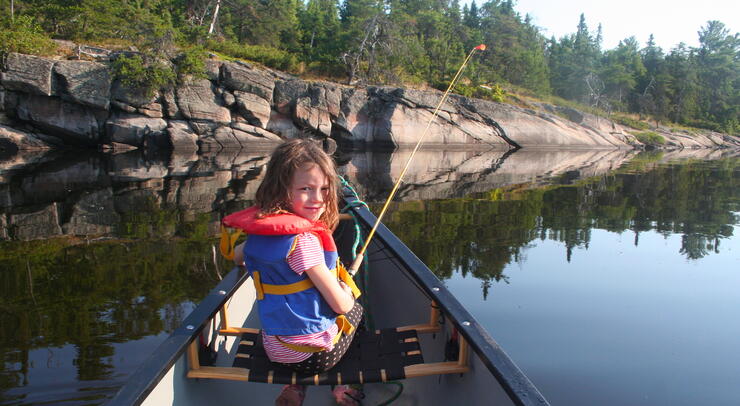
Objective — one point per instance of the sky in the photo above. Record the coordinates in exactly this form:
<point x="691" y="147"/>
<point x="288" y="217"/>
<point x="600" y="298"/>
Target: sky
<point x="670" y="22"/>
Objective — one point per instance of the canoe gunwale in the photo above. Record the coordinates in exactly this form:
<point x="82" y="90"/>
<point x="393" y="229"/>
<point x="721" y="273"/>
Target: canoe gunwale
<point x="519" y="388"/>
<point x="149" y="374"/>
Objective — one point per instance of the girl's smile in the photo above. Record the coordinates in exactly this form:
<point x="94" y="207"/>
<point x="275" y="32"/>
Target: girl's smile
<point x="308" y="191"/>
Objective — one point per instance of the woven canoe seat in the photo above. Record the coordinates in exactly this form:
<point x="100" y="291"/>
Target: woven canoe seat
<point x="373" y="356"/>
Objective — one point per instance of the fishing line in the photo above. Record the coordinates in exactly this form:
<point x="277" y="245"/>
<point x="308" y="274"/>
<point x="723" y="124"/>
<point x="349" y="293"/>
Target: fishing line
<point x="356" y="263"/>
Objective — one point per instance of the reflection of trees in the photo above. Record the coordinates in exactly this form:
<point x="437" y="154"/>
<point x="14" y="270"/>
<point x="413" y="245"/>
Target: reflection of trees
<point x="59" y="292"/>
<point x="481" y="236"/>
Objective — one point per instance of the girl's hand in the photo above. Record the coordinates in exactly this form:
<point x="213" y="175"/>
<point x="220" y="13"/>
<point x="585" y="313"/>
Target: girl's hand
<point x="347" y="289"/>
<point x="339" y="297"/>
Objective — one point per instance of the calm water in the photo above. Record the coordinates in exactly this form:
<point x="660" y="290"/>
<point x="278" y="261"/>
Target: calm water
<point x="609" y="277"/>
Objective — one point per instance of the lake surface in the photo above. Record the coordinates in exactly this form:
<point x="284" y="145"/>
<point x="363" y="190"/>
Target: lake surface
<point x="609" y="277"/>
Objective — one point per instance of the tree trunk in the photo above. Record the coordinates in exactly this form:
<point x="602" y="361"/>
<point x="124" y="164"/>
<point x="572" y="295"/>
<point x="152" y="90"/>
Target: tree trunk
<point x="215" y="16"/>
<point x="353" y="61"/>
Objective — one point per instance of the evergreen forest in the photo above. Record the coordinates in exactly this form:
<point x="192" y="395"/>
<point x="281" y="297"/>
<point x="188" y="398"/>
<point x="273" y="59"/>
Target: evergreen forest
<point x="416" y="43"/>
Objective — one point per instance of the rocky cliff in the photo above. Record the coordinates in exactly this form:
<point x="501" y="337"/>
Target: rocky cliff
<point x="46" y="103"/>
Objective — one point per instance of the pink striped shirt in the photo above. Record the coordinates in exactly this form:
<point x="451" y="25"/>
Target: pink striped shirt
<point x="307" y="253"/>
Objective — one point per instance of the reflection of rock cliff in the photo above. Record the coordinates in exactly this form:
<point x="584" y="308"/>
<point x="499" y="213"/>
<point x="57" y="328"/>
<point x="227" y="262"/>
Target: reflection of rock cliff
<point x="131" y="194"/>
<point x="238" y="106"/>
<point x="102" y="195"/>
<point x="438" y="174"/>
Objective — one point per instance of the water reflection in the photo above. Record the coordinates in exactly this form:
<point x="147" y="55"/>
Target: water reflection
<point x="101" y="252"/>
<point x="483" y="232"/>
<point x="101" y="255"/>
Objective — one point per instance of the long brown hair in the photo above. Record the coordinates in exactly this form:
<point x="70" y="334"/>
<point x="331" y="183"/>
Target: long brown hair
<point x="273" y="194"/>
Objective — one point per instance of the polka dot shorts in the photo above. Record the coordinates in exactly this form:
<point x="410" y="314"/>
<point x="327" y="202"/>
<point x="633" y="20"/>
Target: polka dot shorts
<point x="325" y="360"/>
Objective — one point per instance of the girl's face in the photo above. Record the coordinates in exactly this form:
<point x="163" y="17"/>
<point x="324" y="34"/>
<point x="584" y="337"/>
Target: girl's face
<point x="308" y="191"/>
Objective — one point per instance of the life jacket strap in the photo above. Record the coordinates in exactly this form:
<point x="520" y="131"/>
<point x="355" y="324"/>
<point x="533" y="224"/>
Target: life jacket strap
<point x="270" y="289"/>
<point x="228" y="240"/>
<point x="345" y="277"/>
<point x="265" y="288"/>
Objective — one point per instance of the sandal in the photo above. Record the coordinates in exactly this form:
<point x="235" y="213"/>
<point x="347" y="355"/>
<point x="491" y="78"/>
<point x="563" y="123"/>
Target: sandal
<point x="291" y="395"/>
<point x="347" y="396"/>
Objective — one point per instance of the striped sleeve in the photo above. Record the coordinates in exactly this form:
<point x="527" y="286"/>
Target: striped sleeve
<point x="307" y="253"/>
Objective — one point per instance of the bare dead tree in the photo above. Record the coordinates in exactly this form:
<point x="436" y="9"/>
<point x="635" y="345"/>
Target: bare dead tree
<point x="596" y="92"/>
<point x="645" y="100"/>
<point x="215" y="17"/>
<point x="353" y="58"/>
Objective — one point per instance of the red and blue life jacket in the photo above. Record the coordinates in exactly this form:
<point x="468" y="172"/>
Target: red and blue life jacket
<point x="289" y="304"/>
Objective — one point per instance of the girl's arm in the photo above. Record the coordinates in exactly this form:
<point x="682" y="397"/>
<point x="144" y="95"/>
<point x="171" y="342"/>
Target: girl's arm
<point x="338" y="298"/>
<point x="239" y="254"/>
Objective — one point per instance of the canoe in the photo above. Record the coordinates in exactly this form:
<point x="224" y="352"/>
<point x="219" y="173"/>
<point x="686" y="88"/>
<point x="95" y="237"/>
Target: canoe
<point x="462" y="363"/>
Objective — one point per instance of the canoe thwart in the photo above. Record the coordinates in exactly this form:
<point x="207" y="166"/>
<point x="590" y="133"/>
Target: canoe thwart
<point x="235" y="331"/>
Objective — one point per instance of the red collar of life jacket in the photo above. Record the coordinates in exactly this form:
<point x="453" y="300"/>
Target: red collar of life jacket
<point x="249" y="221"/>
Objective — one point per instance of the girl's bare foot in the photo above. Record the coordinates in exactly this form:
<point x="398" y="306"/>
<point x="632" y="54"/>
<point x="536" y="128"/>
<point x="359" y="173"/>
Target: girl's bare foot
<point x="346" y="396"/>
<point x="291" y="395"/>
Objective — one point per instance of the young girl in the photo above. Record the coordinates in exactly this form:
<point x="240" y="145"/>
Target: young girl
<point x="306" y="304"/>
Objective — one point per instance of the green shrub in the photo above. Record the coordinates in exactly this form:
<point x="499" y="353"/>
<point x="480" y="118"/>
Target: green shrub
<point x="143" y="72"/>
<point x="191" y="63"/>
<point x="270" y="57"/>
<point x="332" y="69"/>
<point x="630" y="122"/>
<point x="650" y="138"/>
<point x="681" y="129"/>
<point x="705" y="124"/>
<point x="25" y="36"/>
<point x="492" y="93"/>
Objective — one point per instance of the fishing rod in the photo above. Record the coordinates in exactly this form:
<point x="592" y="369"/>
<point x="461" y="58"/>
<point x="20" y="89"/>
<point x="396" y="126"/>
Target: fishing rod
<point x="360" y="255"/>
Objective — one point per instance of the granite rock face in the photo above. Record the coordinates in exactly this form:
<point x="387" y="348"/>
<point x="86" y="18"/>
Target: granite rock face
<point x="198" y="101"/>
<point x="28" y="74"/>
<point x="237" y="106"/>
<point x="254" y="109"/>
<point x="133" y="129"/>
<point x="244" y="77"/>
<point x="72" y="123"/>
<point x="181" y="136"/>
<point x="83" y="82"/>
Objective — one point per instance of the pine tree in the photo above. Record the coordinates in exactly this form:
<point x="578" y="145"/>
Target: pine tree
<point x="273" y="24"/>
<point x="682" y="84"/>
<point x="471" y="19"/>
<point x="653" y="99"/>
<point x="320" y="28"/>
<point x="719" y="75"/>
<point x="620" y="71"/>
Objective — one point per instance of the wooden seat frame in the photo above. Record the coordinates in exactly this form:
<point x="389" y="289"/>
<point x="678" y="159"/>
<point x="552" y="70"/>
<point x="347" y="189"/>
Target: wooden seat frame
<point x="195" y="370"/>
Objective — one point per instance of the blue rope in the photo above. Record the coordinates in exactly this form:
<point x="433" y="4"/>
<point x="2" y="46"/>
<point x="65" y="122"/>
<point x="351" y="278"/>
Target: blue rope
<point x="358" y="241"/>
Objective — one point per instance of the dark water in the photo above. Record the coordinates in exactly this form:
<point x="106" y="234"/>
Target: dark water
<point x="610" y="278"/>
